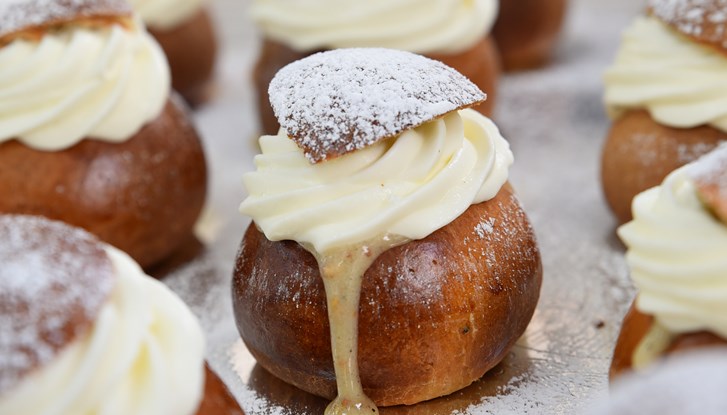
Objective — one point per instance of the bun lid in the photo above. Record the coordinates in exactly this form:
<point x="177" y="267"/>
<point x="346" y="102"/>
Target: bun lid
<point x="54" y="280"/>
<point x="332" y="103"/>
<point x="705" y="21"/>
<point x="710" y="176"/>
<point x="32" y="18"/>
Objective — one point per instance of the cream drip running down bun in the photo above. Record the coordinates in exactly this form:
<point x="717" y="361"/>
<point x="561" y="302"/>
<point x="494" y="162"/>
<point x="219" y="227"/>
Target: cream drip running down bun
<point x="385" y="235"/>
<point x="88" y="132"/>
<point x="185" y="31"/>
<point x="667" y="95"/>
<point x="84" y="331"/>
<point x="456" y="32"/>
<point x="677" y="245"/>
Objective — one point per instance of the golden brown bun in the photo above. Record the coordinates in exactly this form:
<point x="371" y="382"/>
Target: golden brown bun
<point x="217" y="399"/>
<point x="191" y="49"/>
<point x="526" y="31"/>
<point x="481" y="64"/>
<point x="639" y="153"/>
<point x="142" y="195"/>
<point x="434" y="316"/>
<point x="635" y="326"/>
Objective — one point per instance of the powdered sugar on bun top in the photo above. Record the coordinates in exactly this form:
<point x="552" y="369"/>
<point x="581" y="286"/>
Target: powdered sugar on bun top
<point x="703" y="20"/>
<point x="710" y="176"/>
<point x="54" y="279"/>
<point x="19" y="15"/>
<point x="333" y="103"/>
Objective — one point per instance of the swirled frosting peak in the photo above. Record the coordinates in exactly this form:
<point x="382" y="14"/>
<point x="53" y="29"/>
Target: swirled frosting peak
<point x="144" y="355"/>
<point x="76" y="83"/>
<point x="677" y="252"/>
<point x="408" y="186"/>
<point x="421" y="26"/>
<point x="166" y="14"/>
<point x="681" y="83"/>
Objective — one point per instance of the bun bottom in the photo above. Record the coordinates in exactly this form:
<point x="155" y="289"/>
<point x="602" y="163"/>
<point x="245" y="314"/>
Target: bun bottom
<point x="526" y="32"/>
<point x="217" y="399"/>
<point x="480" y="63"/>
<point x="635" y="327"/>
<point x="142" y="195"/>
<point x="639" y="153"/>
<point x="191" y="50"/>
<point x="435" y="314"/>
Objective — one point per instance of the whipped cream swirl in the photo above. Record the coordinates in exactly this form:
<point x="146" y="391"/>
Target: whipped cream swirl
<point x="677" y="255"/>
<point x="143" y="356"/>
<point x="421" y="26"/>
<point x="408" y="186"/>
<point x="77" y="82"/>
<point x="681" y="83"/>
<point x="166" y="14"/>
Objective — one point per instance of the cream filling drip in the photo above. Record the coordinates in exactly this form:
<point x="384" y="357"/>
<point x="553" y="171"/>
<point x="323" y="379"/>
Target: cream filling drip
<point x="81" y="83"/>
<point x="144" y="356"/>
<point x="420" y="26"/>
<point x="676" y="253"/>
<point x="166" y="14"/>
<point x="349" y="210"/>
<point x="681" y="83"/>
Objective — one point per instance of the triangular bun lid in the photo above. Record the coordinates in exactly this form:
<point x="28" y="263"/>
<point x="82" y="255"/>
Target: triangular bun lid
<point x="332" y="103"/>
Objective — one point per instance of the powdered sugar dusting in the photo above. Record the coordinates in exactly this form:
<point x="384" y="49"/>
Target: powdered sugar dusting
<point x="53" y="281"/>
<point x="18" y="15"/>
<point x="710" y="175"/>
<point x="335" y="102"/>
<point x="703" y="19"/>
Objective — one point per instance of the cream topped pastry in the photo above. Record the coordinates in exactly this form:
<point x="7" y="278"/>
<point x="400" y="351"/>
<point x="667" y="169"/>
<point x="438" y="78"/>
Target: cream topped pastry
<point x="679" y="82"/>
<point x="665" y="93"/>
<point x="377" y="150"/>
<point x="430" y="26"/>
<point x="89" y="133"/>
<point x="85" y="331"/>
<point x="105" y="83"/>
<point x="676" y="253"/>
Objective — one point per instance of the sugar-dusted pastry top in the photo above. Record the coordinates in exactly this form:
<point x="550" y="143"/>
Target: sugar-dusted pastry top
<point x="21" y="15"/>
<point x="166" y="14"/>
<point x="143" y="353"/>
<point x="421" y="26"/>
<point x="335" y="102"/>
<point x="54" y="280"/>
<point x="676" y="251"/>
<point x="409" y="186"/>
<point x="681" y="83"/>
<point x="710" y="177"/>
<point x="81" y="82"/>
<point x="702" y="20"/>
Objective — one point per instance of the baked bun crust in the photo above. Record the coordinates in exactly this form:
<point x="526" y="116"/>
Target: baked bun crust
<point x="191" y="49"/>
<point x="142" y="195"/>
<point x="701" y="20"/>
<point x="526" y="31"/>
<point x="481" y="64"/>
<point x="635" y="326"/>
<point x="639" y="153"/>
<point x="434" y="316"/>
<point x="217" y="399"/>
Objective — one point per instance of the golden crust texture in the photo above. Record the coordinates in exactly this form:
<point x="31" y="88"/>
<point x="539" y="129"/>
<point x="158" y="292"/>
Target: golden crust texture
<point x="142" y="195"/>
<point x="635" y="326"/>
<point x="435" y="314"/>
<point x="480" y="64"/>
<point x="191" y="49"/>
<point x="639" y="153"/>
<point x="526" y="31"/>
